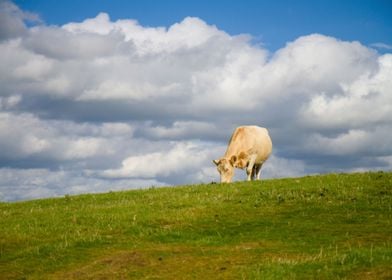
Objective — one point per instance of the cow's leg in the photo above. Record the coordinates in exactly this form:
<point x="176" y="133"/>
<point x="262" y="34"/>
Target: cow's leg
<point x="249" y="168"/>
<point x="254" y="171"/>
<point x="258" y="170"/>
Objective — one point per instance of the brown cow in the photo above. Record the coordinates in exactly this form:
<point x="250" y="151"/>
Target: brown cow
<point x="249" y="147"/>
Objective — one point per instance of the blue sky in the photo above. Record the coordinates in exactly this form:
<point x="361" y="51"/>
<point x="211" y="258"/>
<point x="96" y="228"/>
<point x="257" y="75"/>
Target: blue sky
<point x="111" y="95"/>
<point x="272" y="23"/>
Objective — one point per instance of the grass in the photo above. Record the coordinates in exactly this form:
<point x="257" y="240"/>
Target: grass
<point x="336" y="226"/>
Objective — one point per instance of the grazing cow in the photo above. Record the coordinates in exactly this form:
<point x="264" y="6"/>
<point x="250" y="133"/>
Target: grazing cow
<point x="249" y="147"/>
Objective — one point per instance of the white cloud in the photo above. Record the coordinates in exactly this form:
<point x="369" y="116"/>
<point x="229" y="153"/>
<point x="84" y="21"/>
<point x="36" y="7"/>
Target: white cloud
<point x="23" y="184"/>
<point x="191" y="32"/>
<point x="116" y="104"/>
<point x="9" y="102"/>
<point x="43" y="40"/>
<point x="12" y="20"/>
<point x="117" y="61"/>
<point x="281" y="167"/>
<point x="181" y="130"/>
<point x="181" y="158"/>
<point x="27" y="136"/>
<point x="381" y="46"/>
<point x="365" y="101"/>
<point x="358" y="142"/>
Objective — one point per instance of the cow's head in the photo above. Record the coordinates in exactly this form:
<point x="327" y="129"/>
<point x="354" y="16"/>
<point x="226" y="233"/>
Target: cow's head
<point x="225" y="168"/>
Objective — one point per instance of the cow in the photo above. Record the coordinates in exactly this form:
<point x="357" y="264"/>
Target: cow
<point x="249" y="147"/>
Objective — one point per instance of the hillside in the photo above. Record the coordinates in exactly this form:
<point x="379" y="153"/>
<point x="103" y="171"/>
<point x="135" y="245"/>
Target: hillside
<point x="319" y="227"/>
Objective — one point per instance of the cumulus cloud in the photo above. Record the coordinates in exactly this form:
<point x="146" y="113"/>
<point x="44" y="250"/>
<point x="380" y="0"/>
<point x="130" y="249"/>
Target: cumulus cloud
<point x="12" y="20"/>
<point x="29" y="137"/>
<point x="101" y="104"/>
<point x="365" y="101"/>
<point x="178" y="160"/>
<point x="24" y="184"/>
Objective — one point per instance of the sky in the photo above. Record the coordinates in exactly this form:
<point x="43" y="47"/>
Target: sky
<point x="100" y="96"/>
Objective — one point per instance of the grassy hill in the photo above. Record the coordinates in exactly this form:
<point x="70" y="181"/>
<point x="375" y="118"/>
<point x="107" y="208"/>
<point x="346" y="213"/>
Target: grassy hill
<point x="319" y="227"/>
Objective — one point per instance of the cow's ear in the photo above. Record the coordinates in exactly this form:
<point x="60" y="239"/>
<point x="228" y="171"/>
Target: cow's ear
<point x="233" y="159"/>
<point x="216" y="161"/>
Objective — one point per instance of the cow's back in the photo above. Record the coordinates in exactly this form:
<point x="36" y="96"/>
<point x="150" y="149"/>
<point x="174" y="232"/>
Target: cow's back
<point x="250" y="140"/>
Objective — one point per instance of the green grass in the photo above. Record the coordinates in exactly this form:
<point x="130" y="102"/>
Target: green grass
<point x="336" y="226"/>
